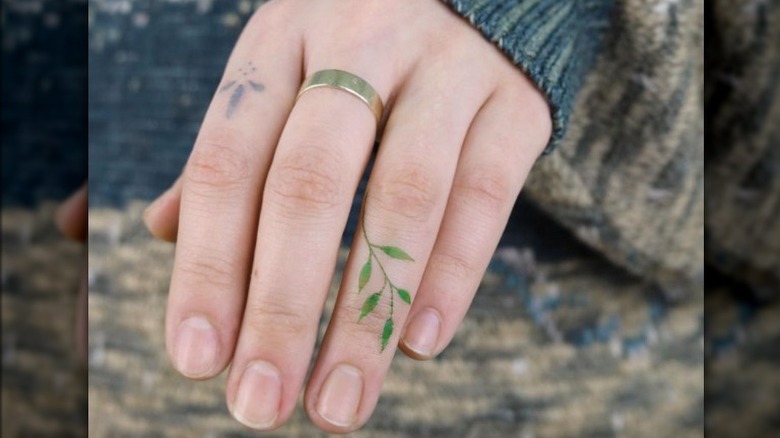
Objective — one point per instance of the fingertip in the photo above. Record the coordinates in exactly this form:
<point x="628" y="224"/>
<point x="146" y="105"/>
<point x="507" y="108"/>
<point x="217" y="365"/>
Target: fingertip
<point x="421" y="337"/>
<point x="145" y="217"/>
<point x="71" y="215"/>
<point x="411" y="353"/>
<point x="61" y="219"/>
<point x="161" y="218"/>
<point x="196" y="349"/>
<point x="149" y="215"/>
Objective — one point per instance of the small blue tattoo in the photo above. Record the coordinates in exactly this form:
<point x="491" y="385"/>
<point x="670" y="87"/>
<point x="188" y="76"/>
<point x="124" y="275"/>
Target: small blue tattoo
<point x="238" y="92"/>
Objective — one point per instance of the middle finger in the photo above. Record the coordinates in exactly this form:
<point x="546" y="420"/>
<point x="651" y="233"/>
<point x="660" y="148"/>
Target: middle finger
<point x="308" y="193"/>
<point x="402" y="211"/>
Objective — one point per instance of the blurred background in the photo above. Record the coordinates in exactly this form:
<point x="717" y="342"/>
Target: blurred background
<point x="44" y="159"/>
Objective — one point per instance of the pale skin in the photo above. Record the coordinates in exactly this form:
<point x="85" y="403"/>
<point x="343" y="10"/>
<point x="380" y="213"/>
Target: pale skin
<point x="260" y="208"/>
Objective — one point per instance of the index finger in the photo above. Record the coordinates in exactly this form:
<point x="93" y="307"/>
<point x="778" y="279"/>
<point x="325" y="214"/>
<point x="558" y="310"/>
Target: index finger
<point x="221" y="190"/>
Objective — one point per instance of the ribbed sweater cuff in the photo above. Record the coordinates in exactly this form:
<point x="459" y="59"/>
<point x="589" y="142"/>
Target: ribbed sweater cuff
<point x="555" y="42"/>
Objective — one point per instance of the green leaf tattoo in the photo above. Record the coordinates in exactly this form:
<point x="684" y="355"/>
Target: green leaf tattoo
<point x="404" y="296"/>
<point x="369" y="305"/>
<point x="396" y="253"/>
<point x="240" y="86"/>
<point x="365" y="275"/>
<point x="387" y="332"/>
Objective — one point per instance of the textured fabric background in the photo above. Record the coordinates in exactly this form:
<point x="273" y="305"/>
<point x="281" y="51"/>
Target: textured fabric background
<point x="628" y="178"/>
<point x="743" y="159"/>
<point x="44" y="93"/>
<point x="555" y="42"/>
<point x="43" y="385"/>
<point x="566" y="348"/>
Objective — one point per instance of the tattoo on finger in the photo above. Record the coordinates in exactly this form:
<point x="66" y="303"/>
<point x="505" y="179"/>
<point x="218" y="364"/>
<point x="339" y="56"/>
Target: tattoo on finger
<point x="372" y="300"/>
<point x="239" y="86"/>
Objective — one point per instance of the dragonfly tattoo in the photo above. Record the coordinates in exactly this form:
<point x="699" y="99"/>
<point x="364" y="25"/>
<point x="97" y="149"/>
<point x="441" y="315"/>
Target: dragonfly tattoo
<point x="239" y="86"/>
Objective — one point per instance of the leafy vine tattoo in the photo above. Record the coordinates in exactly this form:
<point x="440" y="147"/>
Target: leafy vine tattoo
<point x="365" y="275"/>
<point x="240" y="85"/>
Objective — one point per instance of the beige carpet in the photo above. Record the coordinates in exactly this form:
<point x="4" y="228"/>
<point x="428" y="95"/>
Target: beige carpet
<point x="519" y="365"/>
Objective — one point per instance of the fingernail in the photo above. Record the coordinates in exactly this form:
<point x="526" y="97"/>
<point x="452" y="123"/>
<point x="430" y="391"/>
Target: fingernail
<point x="340" y="395"/>
<point x="259" y="393"/>
<point x="423" y="332"/>
<point x="196" y="347"/>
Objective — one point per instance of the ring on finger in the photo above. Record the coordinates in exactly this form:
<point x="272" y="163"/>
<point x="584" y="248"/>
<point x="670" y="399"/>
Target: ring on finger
<point x="348" y="82"/>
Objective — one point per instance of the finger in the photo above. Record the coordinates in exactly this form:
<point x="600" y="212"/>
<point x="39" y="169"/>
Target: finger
<point x="71" y="216"/>
<point x="162" y="216"/>
<point x="315" y="172"/>
<point x="221" y="189"/>
<point x="505" y="139"/>
<point x="405" y="199"/>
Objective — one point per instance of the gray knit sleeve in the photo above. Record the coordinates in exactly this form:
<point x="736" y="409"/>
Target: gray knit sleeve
<point x="553" y="41"/>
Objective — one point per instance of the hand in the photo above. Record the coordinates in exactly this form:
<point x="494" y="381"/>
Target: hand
<point x="265" y="196"/>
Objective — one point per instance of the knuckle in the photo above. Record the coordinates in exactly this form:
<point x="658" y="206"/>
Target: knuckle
<point x="455" y="265"/>
<point x="488" y="187"/>
<point x="273" y="21"/>
<point x="218" y="161"/>
<point x="528" y="109"/>
<point x="277" y="316"/>
<point x="408" y="191"/>
<point x="307" y="180"/>
<point x="209" y="272"/>
<point x="442" y="41"/>
<point x="370" y="325"/>
<point x="270" y="14"/>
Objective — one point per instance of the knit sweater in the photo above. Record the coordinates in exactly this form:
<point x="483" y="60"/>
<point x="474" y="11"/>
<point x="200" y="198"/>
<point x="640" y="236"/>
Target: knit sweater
<point x="554" y="42"/>
<point x="628" y="176"/>
<point x="742" y="170"/>
<point x="624" y="82"/>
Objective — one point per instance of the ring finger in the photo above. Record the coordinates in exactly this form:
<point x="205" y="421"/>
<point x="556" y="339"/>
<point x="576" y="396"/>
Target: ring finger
<point x="406" y="196"/>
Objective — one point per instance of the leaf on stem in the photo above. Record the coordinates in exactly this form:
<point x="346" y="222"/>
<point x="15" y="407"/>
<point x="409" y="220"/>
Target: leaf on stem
<point x="365" y="274"/>
<point x="234" y="99"/>
<point x="387" y="332"/>
<point x="404" y="294"/>
<point x="369" y="304"/>
<point x="227" y="86"/>
<point x="396" y="253"/>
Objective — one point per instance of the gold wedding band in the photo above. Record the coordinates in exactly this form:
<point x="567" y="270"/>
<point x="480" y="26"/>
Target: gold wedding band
<point x="348" y="82"/>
